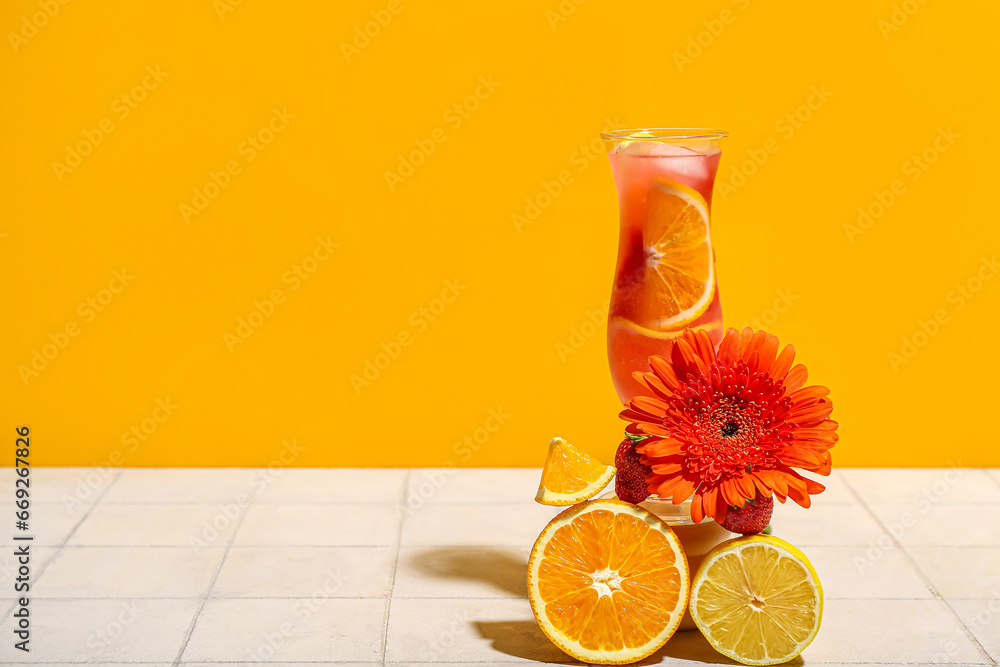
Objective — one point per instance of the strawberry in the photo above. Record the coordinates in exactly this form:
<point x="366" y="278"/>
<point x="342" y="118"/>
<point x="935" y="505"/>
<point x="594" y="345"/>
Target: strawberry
<point x="630" y="480"/>
<point x="752" y="518"/>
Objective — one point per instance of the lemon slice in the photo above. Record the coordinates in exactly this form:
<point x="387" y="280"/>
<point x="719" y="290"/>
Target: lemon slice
<point x="608" y="582"/>
<point x="570" y="476"/>
<point x="757" y="600"/>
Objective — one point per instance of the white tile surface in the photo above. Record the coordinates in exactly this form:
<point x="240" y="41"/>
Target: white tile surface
<point x="96" y="631"/>
<point x="130" y="572"/>
<point x="824" y="524"/>
<point x="197" y="526"/>
<point x="441" y="572"/>
<point x="308" y="575"/>
<point x="919" y="485"/>
<point x="48" y="523"/>
<point x="286" y="629"/>
<point x="38" y="559"/>
<point x="958" y="572"/>
<point x="476" y="525"/>
<point x="982" y="618"/>
<point x="862" y="572"/>
<point x="70" y="487"/>
<point x="345" y="572"/>
<point x="319" y="525"/>
<point x="323" y="485"/>
<point x="940" y="525"/>
<point x="837" y="491"/>
<point x="466" y="630"/>
<point x="874" y="632"/>
<point x="435" y="486"/>
<point x="180" y="485"/>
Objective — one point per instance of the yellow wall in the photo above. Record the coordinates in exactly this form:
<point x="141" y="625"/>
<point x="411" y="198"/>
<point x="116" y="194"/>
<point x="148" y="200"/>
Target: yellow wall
<point x="500" y="98"/>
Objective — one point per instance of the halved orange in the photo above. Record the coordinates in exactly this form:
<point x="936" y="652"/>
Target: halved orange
<point x="570" y="476"/>
<point x="678" y="282"/>
<point x="608" y="582"/>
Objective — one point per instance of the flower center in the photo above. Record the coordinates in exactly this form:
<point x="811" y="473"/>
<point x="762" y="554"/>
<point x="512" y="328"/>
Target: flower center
<point x="729" y="429"/>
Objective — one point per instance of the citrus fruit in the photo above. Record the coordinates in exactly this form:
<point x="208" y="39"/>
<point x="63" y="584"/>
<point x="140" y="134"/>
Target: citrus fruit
<point x="570" y="476"/>
<point x="757" y="600"/>
<point x="678" y="283"/>
<point x="608" y="582"/>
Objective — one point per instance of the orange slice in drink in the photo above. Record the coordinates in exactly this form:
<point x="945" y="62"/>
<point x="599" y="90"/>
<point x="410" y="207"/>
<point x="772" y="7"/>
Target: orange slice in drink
<point x="608" y="582"/>
<point x="677" y="283"/>
<point x="570" y="476"/>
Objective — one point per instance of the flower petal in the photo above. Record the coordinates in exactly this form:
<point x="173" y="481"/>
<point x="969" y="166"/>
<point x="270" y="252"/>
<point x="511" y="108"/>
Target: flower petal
<point x="729" y="348"/>
<point x="779" y="369"/>
<point x="796" y="378"/>
<point x="660" y="447"/>
<point x="697" y="513"/>
<point x="663" y="370"/>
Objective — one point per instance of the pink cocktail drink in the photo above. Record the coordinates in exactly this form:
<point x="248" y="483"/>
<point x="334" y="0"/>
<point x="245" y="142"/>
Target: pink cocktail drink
<point x="665" y="276"/>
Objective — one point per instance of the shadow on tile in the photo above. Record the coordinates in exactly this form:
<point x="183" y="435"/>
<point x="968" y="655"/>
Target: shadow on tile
<point x="691" y="645"/>
<point x="521" y="639"/>
<point x="500" y="569"/>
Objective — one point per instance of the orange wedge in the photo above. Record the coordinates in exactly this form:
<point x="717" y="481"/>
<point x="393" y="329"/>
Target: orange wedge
<point x="570" y="476"/>
<point x="679" y="282"/>
<point x="608" y="582"/>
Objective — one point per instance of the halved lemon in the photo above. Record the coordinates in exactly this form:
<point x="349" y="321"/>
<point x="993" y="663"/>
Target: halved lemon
<point x="570" y="476"/>
<point x="608" y="582"/>
<point x="679" y="280"/>
<point x="757" y="600"/>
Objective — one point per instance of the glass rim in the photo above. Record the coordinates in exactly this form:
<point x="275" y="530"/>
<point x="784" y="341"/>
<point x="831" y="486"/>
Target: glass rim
<point x="665" y="134"/>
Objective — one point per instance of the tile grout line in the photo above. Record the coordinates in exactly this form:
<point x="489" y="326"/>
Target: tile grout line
<point x="913" y="563"/>
<point x="395" y="565"/>
<point x="208" y="591"/>
<point x="63" y="543"/>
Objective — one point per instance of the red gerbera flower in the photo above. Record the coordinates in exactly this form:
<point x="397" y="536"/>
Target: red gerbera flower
<point x="725" y="424"/>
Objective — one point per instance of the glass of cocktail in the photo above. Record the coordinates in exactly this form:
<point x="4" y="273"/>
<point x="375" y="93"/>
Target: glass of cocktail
<point x="665" y="275"/>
